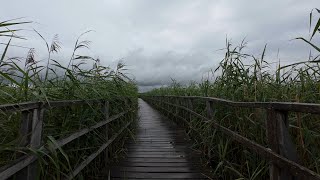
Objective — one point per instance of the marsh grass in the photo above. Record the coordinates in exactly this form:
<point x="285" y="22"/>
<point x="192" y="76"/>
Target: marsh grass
<point x="245" y="77"/>
<point x="84" y="77"/>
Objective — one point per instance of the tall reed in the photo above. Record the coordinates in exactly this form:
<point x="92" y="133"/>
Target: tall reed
<point x="244" y="77"/>
<point x="84" y="77"/>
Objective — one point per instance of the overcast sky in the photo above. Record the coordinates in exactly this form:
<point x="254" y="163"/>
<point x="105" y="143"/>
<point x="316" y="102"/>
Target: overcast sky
<point x="164" y="39"/>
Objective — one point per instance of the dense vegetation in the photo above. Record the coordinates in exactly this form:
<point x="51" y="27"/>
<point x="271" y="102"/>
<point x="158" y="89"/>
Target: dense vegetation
<point x="244" y="77"/>
<point x="84" y="77"/>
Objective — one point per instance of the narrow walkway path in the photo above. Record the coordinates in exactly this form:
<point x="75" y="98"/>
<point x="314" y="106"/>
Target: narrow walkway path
<point x="160" y="151"/>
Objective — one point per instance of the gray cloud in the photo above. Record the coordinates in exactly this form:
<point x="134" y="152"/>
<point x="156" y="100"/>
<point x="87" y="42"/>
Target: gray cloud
<point x="160" y="40"/>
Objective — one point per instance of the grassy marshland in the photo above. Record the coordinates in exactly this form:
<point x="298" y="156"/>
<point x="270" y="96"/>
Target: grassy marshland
<point x="244" y="77"/>
<point x="83" y="77"/>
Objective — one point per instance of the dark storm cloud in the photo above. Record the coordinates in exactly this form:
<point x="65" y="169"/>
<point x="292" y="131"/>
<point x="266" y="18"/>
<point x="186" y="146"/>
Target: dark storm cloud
<point x="160" y="40"/>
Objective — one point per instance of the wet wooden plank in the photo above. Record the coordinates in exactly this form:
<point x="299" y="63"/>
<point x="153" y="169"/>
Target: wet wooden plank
<point x="156" y="153"/>
<point x="176" y="169"/>
<point x="153" y="178"/>
<point x="156" y="164"/>
<point x="160" y="150"/>
<point x="160" y="160"/>
<point x="164" y="175"/>
<point x="166" y="155"/>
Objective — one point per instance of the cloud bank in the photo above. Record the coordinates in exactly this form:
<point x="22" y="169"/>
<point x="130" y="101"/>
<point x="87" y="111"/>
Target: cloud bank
<point x="160" y="40"/>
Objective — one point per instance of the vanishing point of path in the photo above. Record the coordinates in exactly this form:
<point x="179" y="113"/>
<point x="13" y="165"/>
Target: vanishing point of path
<point x="160" y="151"/>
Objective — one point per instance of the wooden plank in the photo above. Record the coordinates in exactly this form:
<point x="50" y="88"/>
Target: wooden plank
<point x="137" y="149"/>
<point x="115" y="178"/>
<point x="155" y="138"/>
<point x="156" y="160"/>
<point x="158" y="148"/>
<point x="154" y="164"/>
<point x="135" y="152"/>
<point x="166" y="155"/>
<point x="175" y="169"/>
<point x="157" y="142"/>
<point x="183" y="175"/>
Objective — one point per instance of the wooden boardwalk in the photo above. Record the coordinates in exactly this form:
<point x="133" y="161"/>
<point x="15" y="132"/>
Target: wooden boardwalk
<point x="159" y="151"/>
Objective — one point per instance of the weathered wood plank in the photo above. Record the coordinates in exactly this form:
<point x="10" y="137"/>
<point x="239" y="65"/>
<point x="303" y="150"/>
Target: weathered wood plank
<point x="166" y="175"/>
<point x="160" y="146"/>
<point x="162" y="169"/>
<point x="155" y="164"/>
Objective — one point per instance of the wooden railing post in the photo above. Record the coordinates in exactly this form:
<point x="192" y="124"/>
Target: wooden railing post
<point x="168" y="106"/>
<point x="126" y="104"/>
<point x="25" y="128"/>
<point x="209" y="107"/>
<point x="106" y="106"/>
<point x="183" y="111"/>
<point x="280" y="142"/>
<point x="190" y="106"/>
<point x="31" y="135"/>
<point x="176" y="108"/>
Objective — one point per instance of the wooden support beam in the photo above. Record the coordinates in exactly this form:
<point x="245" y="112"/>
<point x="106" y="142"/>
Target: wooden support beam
<point x="106" y="106"/>
<point x="31" y="133"/>
<point x="209" y="109"/>
<point x="279" y="141"/>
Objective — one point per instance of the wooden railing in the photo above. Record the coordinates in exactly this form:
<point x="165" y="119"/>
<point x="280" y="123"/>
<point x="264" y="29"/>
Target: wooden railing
<point x="281" y="152"/>
<point x="32" y="117"/>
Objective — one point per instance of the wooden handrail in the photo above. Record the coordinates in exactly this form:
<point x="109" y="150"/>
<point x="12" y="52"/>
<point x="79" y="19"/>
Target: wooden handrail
<point x="283" y="106"/>
<point x="95" y="154"/>
<point x="27" y="160"/>
<point x="275" y="157"/>
<point x="24" y="106"/>
<point x="10" y="169"/>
